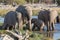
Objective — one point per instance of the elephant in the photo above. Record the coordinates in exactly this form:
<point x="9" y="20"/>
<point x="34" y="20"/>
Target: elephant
<point x="37" y="23"/>
<point x="26" y="12"/>
<point x="10" y="20"/>
<point x="48" y="17"/>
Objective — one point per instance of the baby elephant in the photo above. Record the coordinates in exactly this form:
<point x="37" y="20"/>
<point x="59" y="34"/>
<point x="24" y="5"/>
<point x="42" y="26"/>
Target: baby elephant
<point x="39" y="24"/>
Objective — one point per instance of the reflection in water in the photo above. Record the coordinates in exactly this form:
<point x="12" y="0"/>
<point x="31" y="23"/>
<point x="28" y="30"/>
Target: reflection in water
<point x="48" y="36"/>
<point x="51" y="35"/>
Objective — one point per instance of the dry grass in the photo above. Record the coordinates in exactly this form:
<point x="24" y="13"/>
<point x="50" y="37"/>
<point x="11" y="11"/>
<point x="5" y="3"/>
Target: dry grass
<point x="3" y="12"/>
<point x="35" y="12"/>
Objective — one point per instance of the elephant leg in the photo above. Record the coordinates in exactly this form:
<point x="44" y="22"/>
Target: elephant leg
<point x="20" y="25"/>
<point x="20" y="21"/>
<point x="48" y="26"/>
<point x="42" y="27"/>
<point x="16" y="26"/>
<point x="33" y="28"/>
<point x="39" y="29"/>
<point x="13" y="27"/>
<point x="55" y="21"/>
<point x="8" y="27"/>
<point x="5" y="27"/>
<point x="53" y="26"/>
<point x="29" y="24"/>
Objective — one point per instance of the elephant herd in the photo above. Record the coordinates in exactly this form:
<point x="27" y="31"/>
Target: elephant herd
<point x="23" y="15"/>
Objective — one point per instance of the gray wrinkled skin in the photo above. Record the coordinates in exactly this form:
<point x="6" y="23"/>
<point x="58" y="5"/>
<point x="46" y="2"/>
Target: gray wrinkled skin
<point x="37" y="23"/>
<point x="26" y="12"/>
<point x="48" y="16"/>
<point x="10" y="20"/>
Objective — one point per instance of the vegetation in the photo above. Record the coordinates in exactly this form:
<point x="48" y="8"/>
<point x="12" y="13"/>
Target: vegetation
<point x="58" y="2"/>
<point x="3" y="32"/>
<point x="31" y="1"/>
<point x="32" y="35"/>
<point x="3" y="12"/>
<point x="1" y="24"/>
<point x="35" y="36"/>
<point x="13" y="1"/>
<point x="20" y="1"/>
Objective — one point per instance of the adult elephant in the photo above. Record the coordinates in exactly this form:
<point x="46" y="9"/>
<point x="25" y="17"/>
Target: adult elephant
<point x="48" y="16"/>
<point x="10" y="20"/>
<point x="26" y="12"/>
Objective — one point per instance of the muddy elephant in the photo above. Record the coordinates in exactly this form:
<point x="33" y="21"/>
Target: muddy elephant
<point x="48" y="16"/>
<point x="39" y="24"/>
<point x="26" y="12"/>
<point x="11" y="19"/>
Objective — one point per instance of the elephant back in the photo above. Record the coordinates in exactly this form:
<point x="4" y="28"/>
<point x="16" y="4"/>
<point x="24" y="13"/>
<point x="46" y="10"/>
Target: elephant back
<point x="10" y="18"/>
<point x="24" y="11"/>
<point x="44" y="15"/>
<point x="37" y="22"/>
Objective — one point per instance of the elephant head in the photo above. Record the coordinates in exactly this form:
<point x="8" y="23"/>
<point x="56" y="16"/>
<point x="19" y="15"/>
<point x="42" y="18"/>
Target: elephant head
<point x="37" y="23"/>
